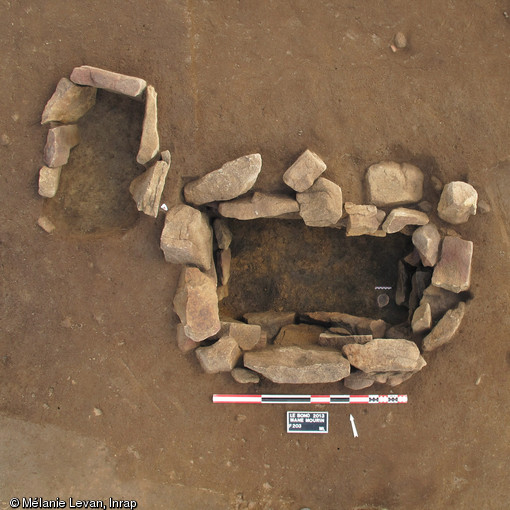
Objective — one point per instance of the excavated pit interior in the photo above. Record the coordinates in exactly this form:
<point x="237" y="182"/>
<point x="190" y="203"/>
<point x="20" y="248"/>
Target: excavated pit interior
<point x="284" y="265"/>
<point x="93" y="195"/>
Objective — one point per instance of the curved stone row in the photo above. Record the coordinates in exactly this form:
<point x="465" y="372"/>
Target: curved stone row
<point x="72" y="99"/>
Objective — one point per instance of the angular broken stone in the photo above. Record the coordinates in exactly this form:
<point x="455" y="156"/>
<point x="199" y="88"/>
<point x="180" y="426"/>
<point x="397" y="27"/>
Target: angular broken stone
<point x="46" y="224"/>
<point x="60" y="141"/>
<point x="321" y="204"/>
<point x="247" y="336"/>
<point x="245" y="376"/>
<point x="196" y="304"/>
<point x="358" y="381"/>
<point x="401" y="217"/>
<point x="389" y="183"/>
<point x="222" y="233"/>
<point x="403" y="289"/>
<point x="147" y="188"/>
<point x="353" y="324"/>
<point x="270" y="322"/>
<point x="68" y="103"/>
<point x="49" y="179"/>
<point x="108" y="80"/>
<point x="419" y="282"/>
<point x="445" y="329"/>
<point x="401" y="331"/>
<point x="224" y="260"/>
<point x="422" y="319"/>
<point x="328" y="339"/>
<point x="184" y="343"/>
<point x="457" y="203"/>
<point x="440" y="300"/>
<point x="426" y="240"/>
<point x="304" y="171"/>
<point x="222" y="356"/>
<point x="231" y="180"/>
<point x="383" y="355"/>
<point x="413" y="259"/>
<point x="260" y="205"/>
<point x="453" y="271"/>
<point x="297" y="365"/>
<point x="298" y="334"/>
<point x="149" y="141"/>
<point x="222" y="292"/>
<point x="363" y="219"/>
<point x="187" y="237"/>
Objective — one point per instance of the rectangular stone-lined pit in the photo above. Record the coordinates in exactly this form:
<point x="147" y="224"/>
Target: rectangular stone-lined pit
<point x="285" y="265"/>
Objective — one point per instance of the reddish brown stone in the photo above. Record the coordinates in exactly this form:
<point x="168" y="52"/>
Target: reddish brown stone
<point x="60" y="141"/>
<point x="453" y="271"/>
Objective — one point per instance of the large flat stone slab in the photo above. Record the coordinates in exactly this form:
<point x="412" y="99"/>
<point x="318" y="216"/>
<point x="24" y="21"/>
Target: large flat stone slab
<point x="304" y="171"/>
<point x="108" y="80"/>
<point x="187" y="237"/>
<point x="298" y="334"/>
<point x="401" y="217"/>
<point x="69" y="103"/>
<point x="196" y="304"/>
<point x="457" y="203"/>
<point x="147" y="188"/>
<point x="271" y="322"/>
<point x="297" y="365"/>
<point x="353" y="324"/>
<point x="231" y="180"/>
<point x="453" y="271"/>
<point x="445" y="329"/>
<point x="389" y="183"/>
<point x="440" y="300"/>
<point x="383" y="355"/>
<point x="321" y="204"/>
<point x="59" y="142"/>
<point x="259" y="205"/>
<point x="149" y="141"/>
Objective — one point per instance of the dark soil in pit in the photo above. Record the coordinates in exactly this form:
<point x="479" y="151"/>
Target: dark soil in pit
<point x="285" y="265"/>
<point x="93" y="195"/>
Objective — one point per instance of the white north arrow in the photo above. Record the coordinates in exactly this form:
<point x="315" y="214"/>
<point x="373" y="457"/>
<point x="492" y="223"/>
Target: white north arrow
<point x="354" y="431"/>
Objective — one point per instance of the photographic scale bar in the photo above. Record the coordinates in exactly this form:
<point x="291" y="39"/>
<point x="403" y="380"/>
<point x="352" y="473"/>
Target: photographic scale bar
<point x="309" y="399"/>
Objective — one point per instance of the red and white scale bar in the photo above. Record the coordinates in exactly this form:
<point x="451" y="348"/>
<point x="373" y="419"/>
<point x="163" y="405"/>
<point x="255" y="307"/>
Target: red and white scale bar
<point x="309" y="399"/>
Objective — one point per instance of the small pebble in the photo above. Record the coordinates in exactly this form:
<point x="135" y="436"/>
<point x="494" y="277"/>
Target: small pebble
<point x="400" y="40"/>
<point x="425" y="206"/>
<point x="46" y="224"/>
<point x="5" y="140"/>
<point x="436" y="183"/>
<point x="383" y="300"/>
<point x="97" y="411"/>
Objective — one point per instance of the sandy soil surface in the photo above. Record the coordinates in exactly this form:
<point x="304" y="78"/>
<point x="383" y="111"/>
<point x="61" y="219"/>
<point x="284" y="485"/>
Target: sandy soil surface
<point x="87" y="321"/>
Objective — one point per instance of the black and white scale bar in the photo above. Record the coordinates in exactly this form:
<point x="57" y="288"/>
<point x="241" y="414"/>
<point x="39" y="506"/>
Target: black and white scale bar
<point x="309" y="399"/>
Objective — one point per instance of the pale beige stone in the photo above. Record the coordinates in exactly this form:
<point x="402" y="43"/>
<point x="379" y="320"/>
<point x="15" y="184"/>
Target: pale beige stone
<point x="245" y="376"/>
<point x="147" y="188"/>
<point x="453" y="271"/>
<point x="259" y="205"/>
<point x="231" y="180"/>
<point x="271" y="322"/>
<point x="426" y="239"/>
<point x="389" y="183"/>
<point x="149" y="142"/>
<point x="321" y="205"/>
<point x="108" y="80"/>
<point x="46" y="224"/>
<point x="68" y="103"/>
<point x="219" y="357"/>
<point x="457" y="203"/>
<point x="297" y="365"/>
<point x="445" y="329"/>
<point x="196" y="304"/>
<point x="187" y="237"/>
<point x="304" y="171"/>
<point x="363" y="219"/>
<point x="60" y="141"/>
<point x="422" y="319"/>
<point x="184" y="343"/>
<point x="247" y="336"/>
<point x="49" y="179"/>
<point x="402" y="217"/>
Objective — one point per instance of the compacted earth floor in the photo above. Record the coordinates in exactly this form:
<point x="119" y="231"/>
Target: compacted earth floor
<point x="96" y="400"/>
